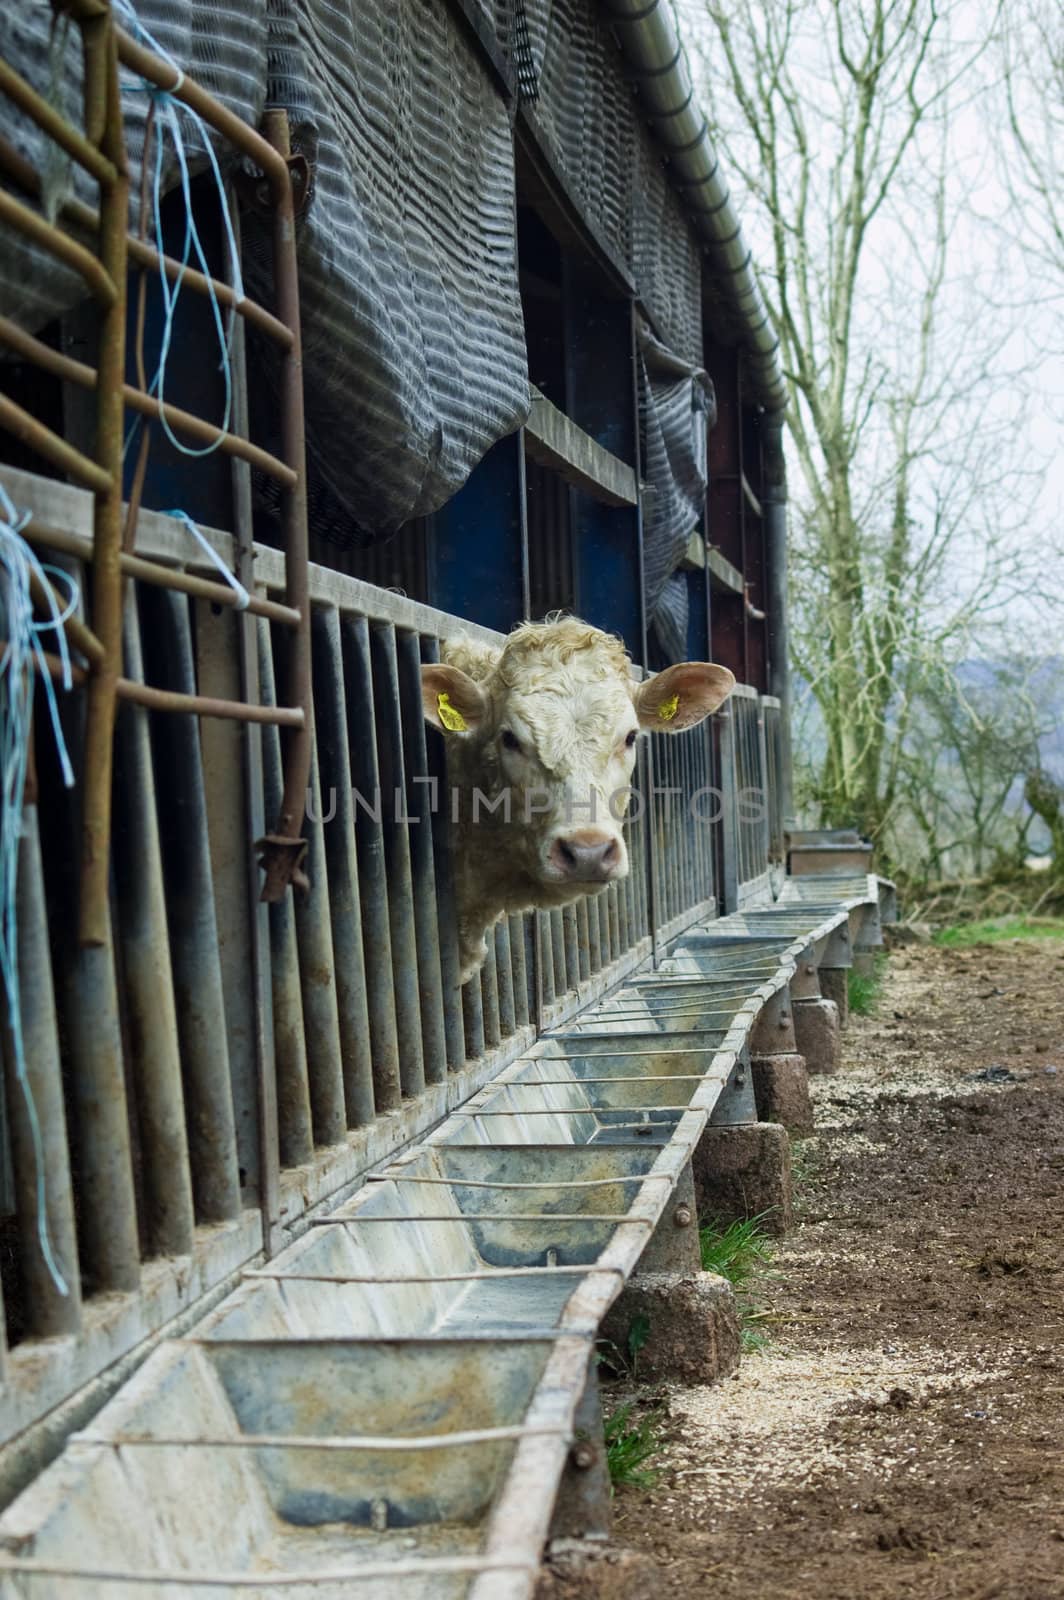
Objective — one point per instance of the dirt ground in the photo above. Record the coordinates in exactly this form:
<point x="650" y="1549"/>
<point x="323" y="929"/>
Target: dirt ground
<point x="902" y="1432"/>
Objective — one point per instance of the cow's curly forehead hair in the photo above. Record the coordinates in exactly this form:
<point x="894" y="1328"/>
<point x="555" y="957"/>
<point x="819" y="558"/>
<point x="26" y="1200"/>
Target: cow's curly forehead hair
<point x="557" y="644"/>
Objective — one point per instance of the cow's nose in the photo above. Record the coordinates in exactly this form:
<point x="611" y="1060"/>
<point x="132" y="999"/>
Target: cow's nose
<point x="588" y="856"/>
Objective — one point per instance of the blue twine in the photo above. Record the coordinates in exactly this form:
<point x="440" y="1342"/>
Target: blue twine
<point x="22" y="647"/>
<point x="243" y="599"/>
<point x="169" y="111"/>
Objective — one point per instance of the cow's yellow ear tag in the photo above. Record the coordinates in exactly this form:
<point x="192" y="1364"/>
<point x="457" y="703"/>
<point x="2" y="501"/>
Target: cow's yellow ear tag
<point x="668" y="708"/>
<point x="452" y="720"/>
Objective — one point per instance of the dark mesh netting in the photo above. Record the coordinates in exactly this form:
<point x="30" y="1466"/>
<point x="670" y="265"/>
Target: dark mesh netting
<point x="413" y="336"/>
<point x="413" y="332"/>
<point x="677" y="407"/>
<point x="586" y="106"/>
<point x="414" y="343"/>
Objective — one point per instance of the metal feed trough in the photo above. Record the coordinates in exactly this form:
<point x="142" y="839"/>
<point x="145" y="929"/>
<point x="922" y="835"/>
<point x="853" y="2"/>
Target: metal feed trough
<point x="386" y="1408"/>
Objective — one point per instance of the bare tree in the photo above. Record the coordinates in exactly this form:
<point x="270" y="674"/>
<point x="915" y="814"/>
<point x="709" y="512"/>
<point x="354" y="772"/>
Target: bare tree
<point x="1032" y="37"/>
<point x="839" y="119"/>
<point x="963" y="805"/>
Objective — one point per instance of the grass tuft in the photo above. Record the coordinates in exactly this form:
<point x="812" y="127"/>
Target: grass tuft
<point x="737" y="1252"/>
<point x="864" y="987"/>
<point x="993" y="930"/>
<point x="742" y="1253"/>
<point x="629" y="1446"/>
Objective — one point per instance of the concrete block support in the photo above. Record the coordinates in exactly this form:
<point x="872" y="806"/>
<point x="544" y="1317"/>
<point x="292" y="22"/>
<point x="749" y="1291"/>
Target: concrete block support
<point x="745" y="1172"/>
<point x="781" y="1088"/>
<point x="816" y="1033"/>
<point x="690" y="1324"/>
<point x="834" y="985"/>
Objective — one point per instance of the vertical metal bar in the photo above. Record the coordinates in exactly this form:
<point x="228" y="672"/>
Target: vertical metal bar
<point x="443" y="866"/>
<point x="572" y="957"/>
<point x="294" y="1131"/>
<point x="101" y="90"/>
<point x="544" y="963"/>
<point x="624" y="940"/>
<point x="763" y="787"/>
<point x="179" y="788"/>
<point x="518" y="944"/>
<point x="376" y="923"/>
<point x="653" y="887"/>
<point x="602" y="908"/>
<point x="610" y="897"/>
<point x="144" y="943"/>
<point x="48" y="1313"/>
<point x="489" y="995"/>
<point x="105" y="1202"/>
<point x="583" y="948"/>
<point x="504" y="971"/>
<point x="692" y="877"/>
<point x="397" y="857"/>
<point x="232" y="874"/>
<point x="729" y="843"/>
<point x="251" y="753"/>
<point x="704" y="809"/>
<point x="419" y="809"/>
<point x="352" y="1004"/>
<point x="594" y="940"/>
<point x="88" y="1023"/>
<point x="522" y="523"/>
<point x="557" y="950"/>
<point x="297" y="588"/>
<point x="473" y="1015"/>
<point x="317" y="976"/>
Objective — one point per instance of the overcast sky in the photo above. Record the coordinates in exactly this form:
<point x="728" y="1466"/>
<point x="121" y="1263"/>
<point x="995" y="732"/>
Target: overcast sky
<point x="996" y="287"/>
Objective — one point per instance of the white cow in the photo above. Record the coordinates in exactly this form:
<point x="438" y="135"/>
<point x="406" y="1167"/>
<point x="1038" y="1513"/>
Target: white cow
<point x="541" y="743"/>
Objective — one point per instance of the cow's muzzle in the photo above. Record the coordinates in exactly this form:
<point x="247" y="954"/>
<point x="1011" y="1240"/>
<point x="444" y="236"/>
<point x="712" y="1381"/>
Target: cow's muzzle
<point x="588" y="856"/>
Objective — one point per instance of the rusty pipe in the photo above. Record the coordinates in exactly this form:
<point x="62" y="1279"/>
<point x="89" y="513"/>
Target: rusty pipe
<point x="37" y="437"/>
<point x="201" y="705"/>
<point x="25" y="175"/>
<point x="78" y="372"/>
<point x="283" y="850"/>
<point x="39" y="231"/>
<point x="58" y="129"/>
<point x="101" y="79"/>
<point x="160" y="577"/>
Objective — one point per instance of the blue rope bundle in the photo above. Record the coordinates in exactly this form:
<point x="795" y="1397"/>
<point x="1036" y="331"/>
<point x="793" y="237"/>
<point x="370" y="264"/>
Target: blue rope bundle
<point x="23" y="652"/>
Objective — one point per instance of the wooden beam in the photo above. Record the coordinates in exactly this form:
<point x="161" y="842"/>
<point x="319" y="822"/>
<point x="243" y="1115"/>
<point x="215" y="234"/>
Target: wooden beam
<point x="722" y="575"/>
<point x="555" y="441"/>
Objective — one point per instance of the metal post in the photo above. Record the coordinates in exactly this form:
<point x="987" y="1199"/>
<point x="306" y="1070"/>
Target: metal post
<point x="144" y="942"/>
<point x="774" y="504"/>
<point x="48" y="1313"/>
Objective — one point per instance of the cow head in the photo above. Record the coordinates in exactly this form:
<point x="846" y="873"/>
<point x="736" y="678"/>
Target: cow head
<point x="549" y="725"/>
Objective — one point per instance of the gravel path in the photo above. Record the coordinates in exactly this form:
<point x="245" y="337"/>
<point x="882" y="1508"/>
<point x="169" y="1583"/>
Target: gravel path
<point x="902" y="1432"/>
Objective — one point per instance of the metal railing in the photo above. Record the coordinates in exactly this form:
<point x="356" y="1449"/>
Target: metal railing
<point x="752" y="821"/>
<point x="263" y="1057"/>
<point x="214" y="1063"/>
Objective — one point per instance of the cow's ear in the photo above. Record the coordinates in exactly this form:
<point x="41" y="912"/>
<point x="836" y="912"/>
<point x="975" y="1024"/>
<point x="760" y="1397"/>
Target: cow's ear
<point x="683" y="695"/>
<point x="453" y="702"/>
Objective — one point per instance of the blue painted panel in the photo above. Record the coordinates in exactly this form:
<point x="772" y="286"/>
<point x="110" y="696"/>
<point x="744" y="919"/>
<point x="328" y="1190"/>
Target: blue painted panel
<point x="606" y="545"/>
<point x="476" y="561"/>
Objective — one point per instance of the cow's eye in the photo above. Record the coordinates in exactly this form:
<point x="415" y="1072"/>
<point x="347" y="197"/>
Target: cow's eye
<point x="632" y="737"/>
<point x="509" y="741"/>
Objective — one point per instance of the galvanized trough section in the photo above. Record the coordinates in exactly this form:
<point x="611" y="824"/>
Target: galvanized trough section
<point x="385" y="1409"/>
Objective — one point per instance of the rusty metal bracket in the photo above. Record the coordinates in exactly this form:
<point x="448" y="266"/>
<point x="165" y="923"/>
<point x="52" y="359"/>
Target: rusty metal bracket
<point x="256" y="191"/>
<point x="281" y="860"/>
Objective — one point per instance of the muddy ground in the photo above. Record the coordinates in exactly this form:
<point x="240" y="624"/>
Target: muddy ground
<point x="902" y="1432"/>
